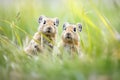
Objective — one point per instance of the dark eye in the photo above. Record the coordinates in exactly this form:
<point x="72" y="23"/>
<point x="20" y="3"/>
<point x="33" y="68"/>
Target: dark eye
<point x="35" y="46"/>
<point x="54" y="23"/>
<point x="44" y="22"/>
<point x="74" y="29"/>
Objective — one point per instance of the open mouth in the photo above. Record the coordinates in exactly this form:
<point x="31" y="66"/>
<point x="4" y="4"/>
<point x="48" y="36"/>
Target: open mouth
<point x="48" y="32"/>
<point x="68" y="37"/>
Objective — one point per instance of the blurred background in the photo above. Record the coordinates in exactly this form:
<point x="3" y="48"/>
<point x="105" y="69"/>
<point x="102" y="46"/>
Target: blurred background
<point x="100" y="39"/>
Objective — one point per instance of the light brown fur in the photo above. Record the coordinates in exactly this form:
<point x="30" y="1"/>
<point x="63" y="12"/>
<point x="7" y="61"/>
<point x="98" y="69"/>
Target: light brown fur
<point x="44" y="38"/>
<point x="70" y="38"/>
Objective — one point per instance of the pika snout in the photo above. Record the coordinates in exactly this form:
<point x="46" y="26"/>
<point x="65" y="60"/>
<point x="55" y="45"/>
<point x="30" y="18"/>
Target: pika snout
<point x="68" y="36"/>
<point x="49" y="30"/>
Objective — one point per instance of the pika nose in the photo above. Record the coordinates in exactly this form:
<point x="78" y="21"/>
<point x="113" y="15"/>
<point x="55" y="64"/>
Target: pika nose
<point x="68" y="34"/>
<point x="49" y="28"/>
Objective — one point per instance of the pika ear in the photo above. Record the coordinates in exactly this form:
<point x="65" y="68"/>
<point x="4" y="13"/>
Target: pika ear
<point x="65" y="25"/>
<point x="41" y="18"/>
<point x="79" y="27"/>
<point x="56" y="22"/>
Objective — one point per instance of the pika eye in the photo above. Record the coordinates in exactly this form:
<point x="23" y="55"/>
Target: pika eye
<point x="35" y="46"/>
<point x="54" y="23"/>
<point x="44" y="22"/>
<point x="74" y="29"/>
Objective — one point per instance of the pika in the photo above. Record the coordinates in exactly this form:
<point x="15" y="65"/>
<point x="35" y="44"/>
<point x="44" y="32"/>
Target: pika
<point x="70" y="38"/>
<point x="48" y="29"/>
<point x="45" y="37"/>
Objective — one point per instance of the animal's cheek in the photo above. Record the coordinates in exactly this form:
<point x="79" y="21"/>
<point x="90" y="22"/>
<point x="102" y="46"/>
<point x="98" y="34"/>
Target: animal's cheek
<point x="54" y="29"/>
<point x="63" y="36"/>
<point x="42" y="26"/>
<point x="44" y="29"/>
<point x="76" y="37"/>
<point x="72" y="35"/>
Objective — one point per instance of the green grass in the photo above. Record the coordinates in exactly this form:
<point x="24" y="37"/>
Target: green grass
<point x="98" y="40"/>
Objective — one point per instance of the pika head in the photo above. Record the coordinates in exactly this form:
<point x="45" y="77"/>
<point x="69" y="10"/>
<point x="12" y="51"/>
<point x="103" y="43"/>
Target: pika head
<point x="48" y="26"/>
<point x="70" y="33"/>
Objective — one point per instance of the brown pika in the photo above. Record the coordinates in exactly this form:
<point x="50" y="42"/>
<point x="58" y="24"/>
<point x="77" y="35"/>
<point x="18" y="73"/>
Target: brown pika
<point x="70" y="38"/>
<point x="48" y="29"/>
<point x="44" y="38"/>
